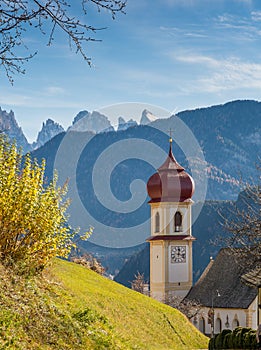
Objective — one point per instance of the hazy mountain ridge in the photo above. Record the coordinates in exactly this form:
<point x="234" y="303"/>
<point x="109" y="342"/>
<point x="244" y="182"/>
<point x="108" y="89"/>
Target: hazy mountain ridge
<point x="225" y="132"/>
<point x="230" y="134"/>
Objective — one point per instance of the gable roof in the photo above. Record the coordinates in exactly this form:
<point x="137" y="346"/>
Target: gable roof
<point x="220" y="285"/>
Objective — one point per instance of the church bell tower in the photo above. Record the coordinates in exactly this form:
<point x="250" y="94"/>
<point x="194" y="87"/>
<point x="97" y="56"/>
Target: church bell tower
<point x="170" y="190"/>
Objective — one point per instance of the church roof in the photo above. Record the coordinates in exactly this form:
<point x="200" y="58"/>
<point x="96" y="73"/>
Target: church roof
<point x="221" y="284"/>
<point x="170" y="183"/>
<point x="170" y="163"/>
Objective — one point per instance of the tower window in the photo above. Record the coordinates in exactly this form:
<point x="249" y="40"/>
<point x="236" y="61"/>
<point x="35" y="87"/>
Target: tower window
<point x="178" y="222"/>
<point x="157" y="222"/>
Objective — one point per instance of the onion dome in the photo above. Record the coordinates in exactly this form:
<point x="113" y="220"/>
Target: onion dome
<point x="170" y="183"/>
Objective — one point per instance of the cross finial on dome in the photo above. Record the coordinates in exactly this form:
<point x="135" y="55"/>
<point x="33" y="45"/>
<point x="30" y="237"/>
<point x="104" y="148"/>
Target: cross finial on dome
<point x="170" y="143"/>
<point x="170" y="135"/>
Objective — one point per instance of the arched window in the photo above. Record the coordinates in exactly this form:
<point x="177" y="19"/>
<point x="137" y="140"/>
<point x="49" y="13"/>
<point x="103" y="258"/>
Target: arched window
<point x="202" y="325"/>
<point x="235" y="323"/>
<point x="157" y="222"/>
<point x="218" y="326"/>
<point x="178" y="222"/>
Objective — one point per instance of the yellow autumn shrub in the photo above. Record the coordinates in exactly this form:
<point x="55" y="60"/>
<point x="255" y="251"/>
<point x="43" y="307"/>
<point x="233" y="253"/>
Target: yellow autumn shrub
<point x="33" y="219"/>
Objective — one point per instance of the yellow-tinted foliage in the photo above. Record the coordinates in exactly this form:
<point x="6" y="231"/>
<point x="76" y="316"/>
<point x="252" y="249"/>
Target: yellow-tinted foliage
<point x="33" y="221"/>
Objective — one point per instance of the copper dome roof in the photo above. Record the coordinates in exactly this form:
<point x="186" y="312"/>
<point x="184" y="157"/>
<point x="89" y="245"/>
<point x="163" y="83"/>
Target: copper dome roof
<point x="170" y="183"/>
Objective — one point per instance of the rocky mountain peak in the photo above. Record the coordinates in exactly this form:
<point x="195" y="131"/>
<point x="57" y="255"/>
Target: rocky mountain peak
<point x="95" y="122"/>
<point x="10" y="127"/>
<point x="147" y="117"/>
<point x="123" y="125"/>
<point x="80" y="115"/>
<point x="49" y="129"/>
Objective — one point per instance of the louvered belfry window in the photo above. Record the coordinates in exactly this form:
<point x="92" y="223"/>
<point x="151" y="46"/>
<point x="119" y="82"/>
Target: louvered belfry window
<point x="157" y="222"/>
<point x="178" y="222"/>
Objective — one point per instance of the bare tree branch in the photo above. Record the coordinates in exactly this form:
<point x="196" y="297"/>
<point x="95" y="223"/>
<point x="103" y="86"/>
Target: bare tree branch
<point x="48" y="17"/>
<point x="189" y="308"/>
<point x="138" y="283"/>
<point x="244" y="228"/>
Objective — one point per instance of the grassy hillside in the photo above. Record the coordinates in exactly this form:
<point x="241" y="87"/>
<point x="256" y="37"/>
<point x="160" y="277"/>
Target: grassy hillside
<point x="71" y="307"/>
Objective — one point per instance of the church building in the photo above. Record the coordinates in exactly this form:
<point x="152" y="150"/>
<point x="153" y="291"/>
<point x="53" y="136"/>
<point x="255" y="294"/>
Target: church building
<point x="170" y="190"/>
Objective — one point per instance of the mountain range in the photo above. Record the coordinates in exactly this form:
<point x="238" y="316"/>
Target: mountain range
<point x="10" y="127"/>
<point x="84" y="121"/>
<point x="229" y="136"/>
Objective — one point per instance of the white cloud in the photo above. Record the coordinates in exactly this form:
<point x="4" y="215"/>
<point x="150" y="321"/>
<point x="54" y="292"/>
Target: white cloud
<point x="55" y="90"/>
<point x="195" y="33"/>
<point x="51" y="96"/>
<point x="14" y="99"/>
<point x="224" y="28"/>
<point x="197" y="59"/>
<point x="228" y="21"/>
<point x="180" y="2"/>
<point x="199" y="2"/>
<point x="224" y="74"/>
<point x="246" y="27"/>
<point x="145" y="76"/>
<point x="256" y="16"/>
<point x="34" y="100"/>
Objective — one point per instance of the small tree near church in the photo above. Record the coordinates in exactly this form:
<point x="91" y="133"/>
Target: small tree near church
<point x="138" y="283"/>
<point x="189" y="308"/>
<point x="244" y="229"/>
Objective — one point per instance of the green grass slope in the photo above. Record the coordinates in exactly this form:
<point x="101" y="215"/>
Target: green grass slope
<point x="71" y="307"/>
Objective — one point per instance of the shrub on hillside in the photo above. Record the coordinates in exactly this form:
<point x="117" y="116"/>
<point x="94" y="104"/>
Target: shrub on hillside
<point x="249" y="341"/>
<point x="33" y="220"/>
<point x="239" y="343"/>
<point x="221" y="340"/>
<point x="227" y="340"/>
<point x="240" y="338"/>
<point x="218" y="343"/>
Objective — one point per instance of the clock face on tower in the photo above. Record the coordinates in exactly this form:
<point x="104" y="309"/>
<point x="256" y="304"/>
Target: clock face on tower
<point x="178" y="254"/>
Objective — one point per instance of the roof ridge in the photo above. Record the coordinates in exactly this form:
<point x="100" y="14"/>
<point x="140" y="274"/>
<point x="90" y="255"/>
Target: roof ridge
<point x="205" y="272"/>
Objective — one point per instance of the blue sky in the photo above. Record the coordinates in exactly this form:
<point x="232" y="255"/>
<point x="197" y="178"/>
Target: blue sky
<point x="175" y="54"/>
